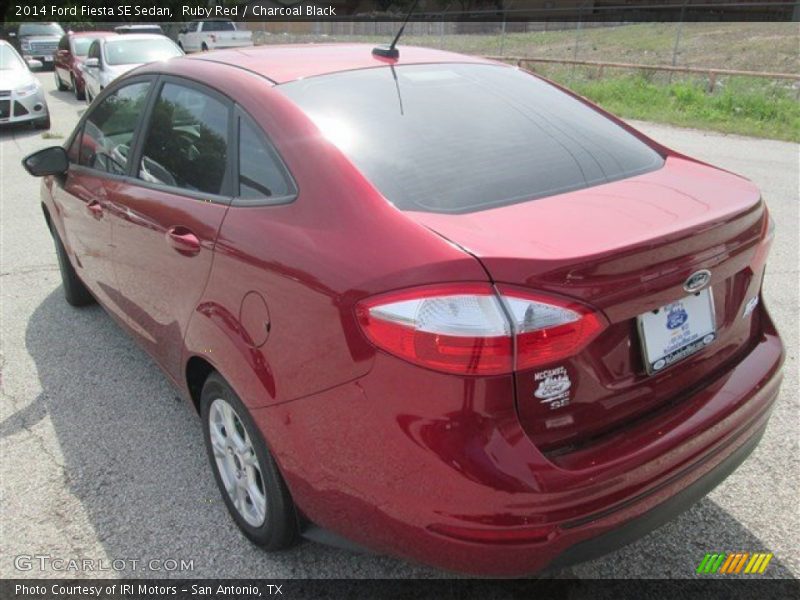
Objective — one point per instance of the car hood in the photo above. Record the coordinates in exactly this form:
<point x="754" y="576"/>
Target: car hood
<point x="11" y="79"/>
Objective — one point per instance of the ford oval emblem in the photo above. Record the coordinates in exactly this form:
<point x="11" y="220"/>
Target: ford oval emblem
<point x="697" y="281"/>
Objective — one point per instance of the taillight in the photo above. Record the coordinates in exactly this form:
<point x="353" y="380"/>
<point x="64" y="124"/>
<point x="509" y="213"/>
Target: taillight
<point x="472" y="329"/>
<point x="549" y="329"/>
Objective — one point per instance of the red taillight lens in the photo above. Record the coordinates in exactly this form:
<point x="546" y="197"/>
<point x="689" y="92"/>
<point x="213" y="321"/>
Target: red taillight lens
<point x="469" y="329"/>
<point x="457" y="329"/>
<point x="548" y="329"/>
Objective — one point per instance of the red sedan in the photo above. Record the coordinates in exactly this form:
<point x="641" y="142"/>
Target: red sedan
<point x="433" y="305"/>
<point x="72" y="51"/>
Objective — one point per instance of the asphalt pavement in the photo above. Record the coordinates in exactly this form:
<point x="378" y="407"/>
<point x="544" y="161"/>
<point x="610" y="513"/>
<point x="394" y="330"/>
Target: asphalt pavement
<point x="99" y="461"/>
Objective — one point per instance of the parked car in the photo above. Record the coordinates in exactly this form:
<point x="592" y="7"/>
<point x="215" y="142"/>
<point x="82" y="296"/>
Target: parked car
<point x="72" y="51"/>
<point x="110" y="57"/>
<point x="213" y="34"/>
<point x="139" y="28"/>
<point x="496" y="338"/>
<point x="37" y="41"/>
<point x="21" y="95"/>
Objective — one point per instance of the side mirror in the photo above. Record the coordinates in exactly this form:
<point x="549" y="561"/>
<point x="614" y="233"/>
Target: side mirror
<point x="91" y="63"/>
<point x="50" y="161"/>
<point x="34" y="64"/>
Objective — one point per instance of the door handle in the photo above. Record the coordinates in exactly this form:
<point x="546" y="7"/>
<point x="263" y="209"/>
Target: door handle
<point x="183" y="240"/>
<point x="95" y="209"/>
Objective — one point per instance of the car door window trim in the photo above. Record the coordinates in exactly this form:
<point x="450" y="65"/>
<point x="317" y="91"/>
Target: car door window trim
<point x="108" y="91"/>
<point x="242" y="116"/>
<point x="225" y="198"/>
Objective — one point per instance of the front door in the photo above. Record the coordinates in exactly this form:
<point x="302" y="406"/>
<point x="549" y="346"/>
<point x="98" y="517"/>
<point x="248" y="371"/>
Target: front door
<point x="166" y="219"/>
<point x="98" y="159"/>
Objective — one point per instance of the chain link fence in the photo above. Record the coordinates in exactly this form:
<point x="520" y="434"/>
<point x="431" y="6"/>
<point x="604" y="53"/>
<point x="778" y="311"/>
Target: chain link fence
<point x="588" y="36"/>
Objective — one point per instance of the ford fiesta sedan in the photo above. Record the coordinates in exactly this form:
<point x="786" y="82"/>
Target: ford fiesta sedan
<point x="434" y="305"/>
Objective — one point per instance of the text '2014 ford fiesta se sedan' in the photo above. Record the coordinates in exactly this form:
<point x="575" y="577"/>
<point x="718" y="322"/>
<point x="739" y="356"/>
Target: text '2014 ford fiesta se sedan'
<point x="432" y="305"/>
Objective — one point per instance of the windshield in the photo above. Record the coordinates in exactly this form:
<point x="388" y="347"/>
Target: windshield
<point x="129" y="52"/>
<point x="455" y="138"/>
<point x="81" y="45"/>
<point x="40" y="29"/>
<point x="9" y="59"/>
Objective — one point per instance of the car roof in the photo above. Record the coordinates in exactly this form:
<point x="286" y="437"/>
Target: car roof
<point x="284" y="63"/>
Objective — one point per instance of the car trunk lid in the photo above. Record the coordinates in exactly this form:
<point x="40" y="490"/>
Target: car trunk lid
<point x="624" y="248"/>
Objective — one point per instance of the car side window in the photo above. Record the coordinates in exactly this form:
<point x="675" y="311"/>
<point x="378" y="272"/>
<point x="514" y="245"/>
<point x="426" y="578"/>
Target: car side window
<point x="108" y="131"/>
<point x="63" y="43"/>
<point x="187" y="141"/>
<point x="261" y="173"/>
<point x="94" y="50"/>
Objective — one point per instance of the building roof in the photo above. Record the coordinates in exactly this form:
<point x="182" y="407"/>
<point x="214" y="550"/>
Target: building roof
<point x="284" y="63"/>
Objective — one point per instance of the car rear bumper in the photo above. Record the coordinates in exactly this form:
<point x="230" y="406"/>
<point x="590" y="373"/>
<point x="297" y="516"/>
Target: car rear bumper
<point x="640" y="526"/>
<point x="465" y="489"/>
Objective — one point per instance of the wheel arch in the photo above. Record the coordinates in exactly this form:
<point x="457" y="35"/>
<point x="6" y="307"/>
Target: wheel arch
<point x="197" y="371"/>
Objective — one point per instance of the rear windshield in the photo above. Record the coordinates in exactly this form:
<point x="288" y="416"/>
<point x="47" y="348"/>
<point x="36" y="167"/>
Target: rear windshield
<point x="218" y="26"/>
<point x="454" y="138"/>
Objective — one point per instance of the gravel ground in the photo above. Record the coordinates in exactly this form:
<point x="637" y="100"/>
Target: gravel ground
<point x="100" y="461"/>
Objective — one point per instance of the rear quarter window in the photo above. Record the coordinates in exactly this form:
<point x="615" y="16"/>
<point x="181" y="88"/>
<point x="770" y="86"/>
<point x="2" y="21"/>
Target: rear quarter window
<point x="455" y="138"/>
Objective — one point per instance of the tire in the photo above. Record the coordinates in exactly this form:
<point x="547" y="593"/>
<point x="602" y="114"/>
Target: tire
<point x="276" y="528"/>
<point x="204" y="47"/>
<point x="79" y="94"/>
<point x="43" y="123"/>
<point x="62" y="87"/>
<point x="75" y="291"/>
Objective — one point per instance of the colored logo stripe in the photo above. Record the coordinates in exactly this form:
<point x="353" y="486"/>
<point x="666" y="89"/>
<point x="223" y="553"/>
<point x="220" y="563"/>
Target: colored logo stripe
<point x="734" y="562"/>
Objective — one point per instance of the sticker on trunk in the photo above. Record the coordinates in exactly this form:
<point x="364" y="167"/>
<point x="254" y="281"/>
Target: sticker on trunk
<point x="553" y="387"/>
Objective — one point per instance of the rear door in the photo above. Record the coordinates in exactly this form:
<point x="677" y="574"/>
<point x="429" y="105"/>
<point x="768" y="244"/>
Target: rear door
<point x="168" y="213"/>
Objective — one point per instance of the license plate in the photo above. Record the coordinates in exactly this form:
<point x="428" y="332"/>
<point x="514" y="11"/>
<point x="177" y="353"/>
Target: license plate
<point x="677" y="330"/>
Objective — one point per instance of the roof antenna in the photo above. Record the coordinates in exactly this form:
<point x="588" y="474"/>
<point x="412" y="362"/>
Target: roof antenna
<point x="390" y="51"/>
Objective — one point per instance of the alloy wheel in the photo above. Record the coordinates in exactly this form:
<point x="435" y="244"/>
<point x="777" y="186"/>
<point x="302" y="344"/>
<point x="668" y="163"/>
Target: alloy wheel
<point x="237" y="462"/>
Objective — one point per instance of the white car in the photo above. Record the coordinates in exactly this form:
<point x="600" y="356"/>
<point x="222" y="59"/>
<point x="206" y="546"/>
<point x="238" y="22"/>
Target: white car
<point x="108" y="58"/>
<point x="200" y="36"/>
<point x="21" y="95"/>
